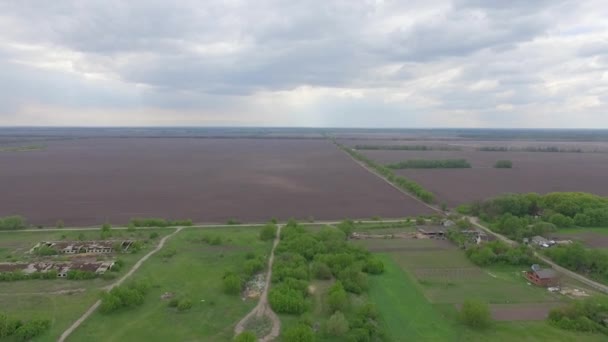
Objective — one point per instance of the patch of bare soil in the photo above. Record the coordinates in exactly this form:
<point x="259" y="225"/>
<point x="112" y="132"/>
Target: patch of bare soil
<point x="522" y="312"/>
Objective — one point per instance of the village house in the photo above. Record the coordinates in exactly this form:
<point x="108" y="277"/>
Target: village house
<point x="544" y="277"/>
<point x="78" y="247"/>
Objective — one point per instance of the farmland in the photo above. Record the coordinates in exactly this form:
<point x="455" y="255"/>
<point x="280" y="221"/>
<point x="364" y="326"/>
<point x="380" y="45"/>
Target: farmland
<point x="89" y="181"/>
<point x="540" y="172"/>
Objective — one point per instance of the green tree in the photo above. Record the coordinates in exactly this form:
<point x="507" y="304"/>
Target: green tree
<point x="268" y="232"/>
<point x="503" y="164"/>
<point x="337" y="324"/>
<point x="299" y="333"/>
<point x="475" y="314"/>
<point x="337" y="298"/>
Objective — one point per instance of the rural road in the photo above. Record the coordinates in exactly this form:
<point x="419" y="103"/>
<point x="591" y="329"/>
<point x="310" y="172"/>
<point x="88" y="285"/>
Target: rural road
<point x="133" y="269"/>
<point x="556" y="267"/>
<point x="263" y="308"/>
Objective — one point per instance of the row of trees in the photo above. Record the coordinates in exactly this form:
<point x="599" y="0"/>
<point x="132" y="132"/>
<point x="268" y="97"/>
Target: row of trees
<point x="158" y="222"/>
<point x="407" y="147"/>
<point x="402" y="182"/>
<point x="14" y="222"/>
<point x="302" y="256"/>
<point x="588" y="315"/>
<point x="564" y="209"/>
<point x="430" y="164"/>
<point x="19" y="330"/>
<point x="529" y="149"/>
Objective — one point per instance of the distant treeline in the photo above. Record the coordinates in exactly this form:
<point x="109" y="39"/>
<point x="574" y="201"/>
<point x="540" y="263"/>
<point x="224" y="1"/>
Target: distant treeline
<point x="24" y="148"/>
<point x="431" y="164"/>
<point x="406" y="148"/>
<point x="553" y="149"/>
<point x="401" y="182"/>
<point x="158" y="222"/>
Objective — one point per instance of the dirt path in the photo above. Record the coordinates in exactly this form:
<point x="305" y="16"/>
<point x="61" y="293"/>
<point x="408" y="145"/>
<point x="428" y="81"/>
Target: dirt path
<point x="556" y="267"/>
<point x="133" y="269"/>
<point x="263" y="308"/>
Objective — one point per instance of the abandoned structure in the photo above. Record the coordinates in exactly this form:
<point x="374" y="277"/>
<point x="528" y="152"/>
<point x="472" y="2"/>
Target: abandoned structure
<point x="78" y="247"/>
<point x="544" y="277"/>
<point x="433" y="232"/>
<point x="62" y="268"/>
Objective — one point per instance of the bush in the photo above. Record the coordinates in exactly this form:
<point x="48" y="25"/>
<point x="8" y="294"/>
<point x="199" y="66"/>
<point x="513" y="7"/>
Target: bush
<point x="153" y="235"/>
<point x="184" y="304"/>
<point x="475" y="314"/>
<point x="321" y="271"/>
<point x="232" y="283"/>
<point x="503" y="164"/>
<point x="337" y="298"/>
<point x="31" y="329"/>
<point x="124" y="296"/>
<point x="106" y="227"/>
<point x="299" y="333"/>
<point x="284" y="299"/>
<point x="374" y="266"/>
<point x="337" y="324"/>
<point x="246" y="336"/>
<point x="268" y="232"/>
<point x="12" y="222"/>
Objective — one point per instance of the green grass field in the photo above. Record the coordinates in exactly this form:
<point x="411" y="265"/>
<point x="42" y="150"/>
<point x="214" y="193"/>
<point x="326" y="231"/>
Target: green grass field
<point x="409" y="316"/>
<point x="405" y="310"/>
<point x="194" y="271"/>
<point x="29" y="299"/>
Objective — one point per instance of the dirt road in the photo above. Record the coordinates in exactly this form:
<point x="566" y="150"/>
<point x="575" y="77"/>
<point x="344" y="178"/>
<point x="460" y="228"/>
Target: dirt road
<point x="133" y="269"/>
<point x="263" y="308"/>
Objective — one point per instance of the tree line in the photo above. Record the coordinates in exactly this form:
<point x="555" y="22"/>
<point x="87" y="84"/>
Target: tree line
<point x="401" y="182"/>
<point x="430" y="164"/>
<point x="157" y="222"/>
<point x="406" y="147"/>
<point x="588" y="315"/>
<point x="562" y="209"/>
<point x="553" y="149"/>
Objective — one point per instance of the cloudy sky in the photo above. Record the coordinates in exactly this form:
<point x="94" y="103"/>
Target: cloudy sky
<point x="460" y="63"/>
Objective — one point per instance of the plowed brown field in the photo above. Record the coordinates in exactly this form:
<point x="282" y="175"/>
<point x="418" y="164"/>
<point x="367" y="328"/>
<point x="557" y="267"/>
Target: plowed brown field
<point x="88" y="181"/>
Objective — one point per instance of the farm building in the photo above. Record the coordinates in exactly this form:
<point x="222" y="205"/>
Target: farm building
<point x="433" y="232"/>
<point x="78" y="247"/>
<point x="544" y="277"/>
<point x="62" y="268"/>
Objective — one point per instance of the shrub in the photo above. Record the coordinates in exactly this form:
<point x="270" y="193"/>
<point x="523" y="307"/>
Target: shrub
<point x="337" y="298"/>
<point x="124" y="296"/>
<point x="475" y="314"/>
<point x="373" y="266"/>
<point x="337" y="324"/>
<point x="246" y="336"/>
<point x="184" y="304"/>
<point x="12" y="222"/>
<point x="299" y="333"/>
<point x="321" y="271"/>
<point x="106" y="227"/>
<point x="232" y="283"/>
<point x="284" y="299"/>
<point x="268" y="232"/>
<point x="31" y="329"/>
<point x="153" y="235"/>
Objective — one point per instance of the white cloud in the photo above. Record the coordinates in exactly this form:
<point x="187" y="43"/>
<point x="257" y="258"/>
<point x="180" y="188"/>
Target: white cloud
<point x="461" y="63"/>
